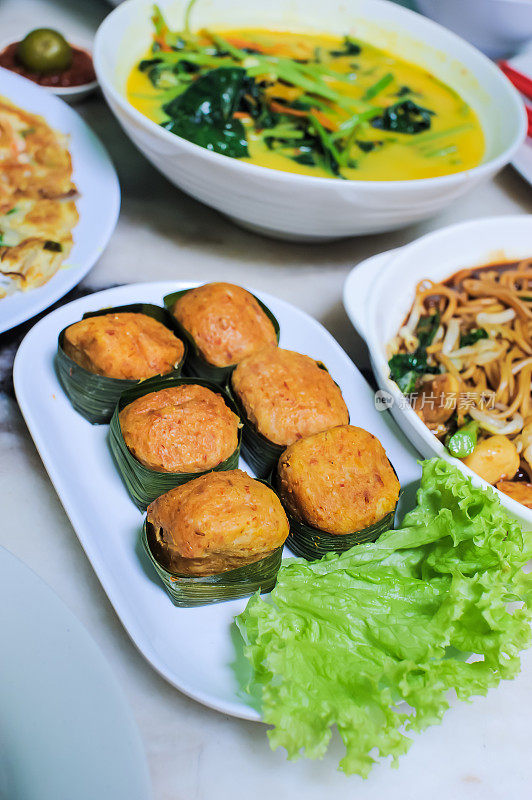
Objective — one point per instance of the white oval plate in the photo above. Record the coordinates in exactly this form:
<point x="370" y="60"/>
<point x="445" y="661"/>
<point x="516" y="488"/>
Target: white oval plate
<point x="67" y="730"/>
<point x="98" y="202"/>
<point x="191" y="648"/>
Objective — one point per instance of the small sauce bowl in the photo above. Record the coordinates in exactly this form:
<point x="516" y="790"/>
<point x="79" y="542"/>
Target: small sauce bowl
<point x="71" y="92"/>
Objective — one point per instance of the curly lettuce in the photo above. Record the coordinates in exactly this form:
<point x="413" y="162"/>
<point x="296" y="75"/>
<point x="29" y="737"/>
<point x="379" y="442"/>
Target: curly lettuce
<point x="372" y="641"/>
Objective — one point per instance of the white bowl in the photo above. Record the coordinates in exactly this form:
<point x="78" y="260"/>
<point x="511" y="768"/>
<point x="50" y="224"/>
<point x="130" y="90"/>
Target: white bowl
<point x="497" y="27"/>
<point x="378" y="297"/>
<point x="298" y="206"/>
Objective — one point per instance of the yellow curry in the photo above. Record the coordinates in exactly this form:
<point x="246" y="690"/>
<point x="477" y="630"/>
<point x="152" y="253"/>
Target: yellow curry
<point x="314" y="105"/>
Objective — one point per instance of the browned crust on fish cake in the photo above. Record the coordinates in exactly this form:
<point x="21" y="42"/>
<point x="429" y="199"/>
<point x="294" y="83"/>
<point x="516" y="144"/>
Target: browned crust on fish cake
<point x="225" y="321"/>
<point x="183" y="428"/>
<point x="217" y="522"/>
<point x="124" y="345"/>
<point x="287" y="396"/>
<point x="339" y="481"/>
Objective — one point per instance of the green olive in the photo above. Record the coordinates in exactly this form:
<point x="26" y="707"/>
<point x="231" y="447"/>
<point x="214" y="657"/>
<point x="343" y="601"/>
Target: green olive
<point x="44" y="50"/>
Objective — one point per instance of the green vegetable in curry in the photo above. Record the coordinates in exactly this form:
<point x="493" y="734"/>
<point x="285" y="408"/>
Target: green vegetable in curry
<point x="311" y="104"/>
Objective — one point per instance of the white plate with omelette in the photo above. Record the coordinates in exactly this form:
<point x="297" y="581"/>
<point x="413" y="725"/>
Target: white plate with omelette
<point x="59" y="199"/>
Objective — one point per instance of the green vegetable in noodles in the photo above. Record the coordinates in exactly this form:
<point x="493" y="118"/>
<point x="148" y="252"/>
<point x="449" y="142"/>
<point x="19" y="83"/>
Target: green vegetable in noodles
<point x="433" y="136"/>
<point x="254" y="102"/>
<point x="334" y="159"/>
<point x="406" y="380"/>
<point x="305" y="156"/>
<point x="441" y="151"/>
<point x="163" y="35"/>
<point x="427" y="328"/>
<point x="404" y="90"/>
<point x="464" y="440"/>
<point x="158" y="21"/>
<point x="146" y="64"/>
<point x="406" y="368"/>
<point x="166" y="76"/>
<point x="473" y="336"/>
<point x="345" y="640"/>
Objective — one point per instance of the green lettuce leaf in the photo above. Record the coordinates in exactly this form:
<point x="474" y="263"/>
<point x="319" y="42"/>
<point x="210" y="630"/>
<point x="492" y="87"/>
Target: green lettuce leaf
<point x="372" y="641"/>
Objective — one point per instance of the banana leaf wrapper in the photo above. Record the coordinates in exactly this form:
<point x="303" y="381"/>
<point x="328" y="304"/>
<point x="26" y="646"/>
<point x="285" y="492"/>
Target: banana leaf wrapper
<point x="186" y="591"/>
<point x="195" y="364"/>
<point x="95" y="396"/>
<point x="312" y="544"/>
<point x="143" y="484"/>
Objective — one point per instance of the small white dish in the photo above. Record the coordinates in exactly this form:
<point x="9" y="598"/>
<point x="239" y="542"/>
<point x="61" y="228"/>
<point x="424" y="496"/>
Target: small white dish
<point x="67" y="730"/>
<point x="497" y="27"/>
<point x="70" y="94"/>
<point x="191" y="647"/>
<point x="98" y="202"/>
<point x="75" y="94"/>
<point x="302" y="207"/>
<point x="379" y="292"/>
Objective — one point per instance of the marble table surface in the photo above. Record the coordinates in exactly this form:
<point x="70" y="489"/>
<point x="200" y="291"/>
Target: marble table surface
<point x="193" y="752"/>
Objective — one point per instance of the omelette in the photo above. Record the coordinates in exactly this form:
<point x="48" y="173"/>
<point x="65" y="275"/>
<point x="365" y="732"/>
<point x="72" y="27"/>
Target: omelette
<point x="37" y="207"/>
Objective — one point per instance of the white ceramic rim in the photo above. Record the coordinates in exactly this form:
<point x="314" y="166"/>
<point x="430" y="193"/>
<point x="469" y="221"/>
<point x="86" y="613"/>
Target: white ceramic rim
<point x="492" y="165"/>
<point x="71" y="91"/>
<point x="380" y="363"/>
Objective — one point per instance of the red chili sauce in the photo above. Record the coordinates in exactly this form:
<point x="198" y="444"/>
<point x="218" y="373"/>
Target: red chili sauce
<point x="81" y="70"/>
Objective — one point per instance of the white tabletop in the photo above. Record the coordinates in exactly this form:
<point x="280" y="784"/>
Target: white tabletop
<point x="195" y="753"/>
